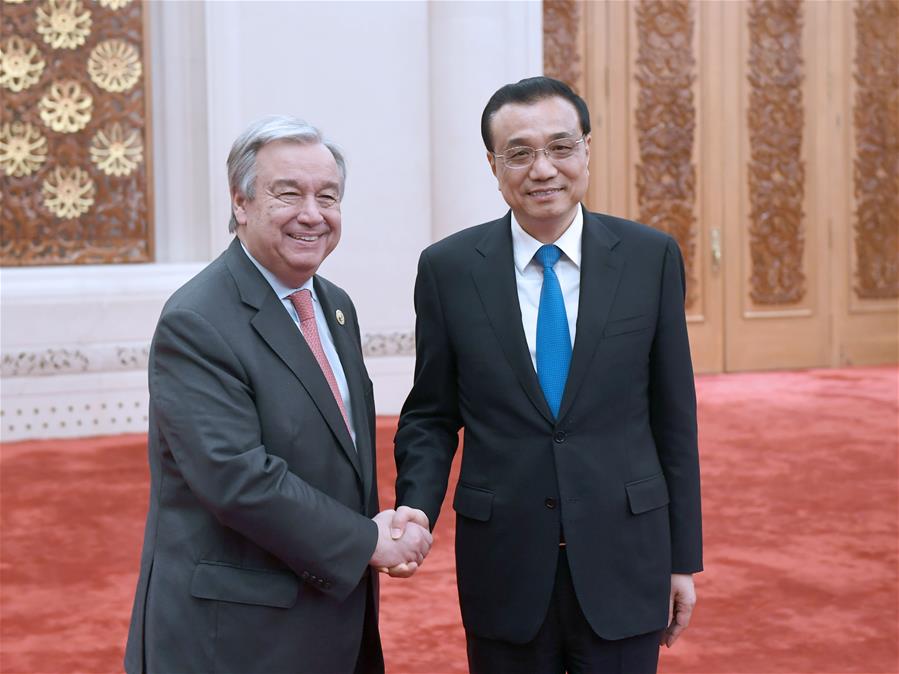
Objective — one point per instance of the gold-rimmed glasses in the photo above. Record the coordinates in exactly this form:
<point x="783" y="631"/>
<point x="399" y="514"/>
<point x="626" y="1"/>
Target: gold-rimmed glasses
<point x="524" y="156"/>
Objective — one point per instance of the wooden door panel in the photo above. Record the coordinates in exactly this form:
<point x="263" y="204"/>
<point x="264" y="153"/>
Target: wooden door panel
<point x="864" y="134"/>
<point x="775" y="236"/>
<point x="648" y="91"/>
<point x="764" y="136"/>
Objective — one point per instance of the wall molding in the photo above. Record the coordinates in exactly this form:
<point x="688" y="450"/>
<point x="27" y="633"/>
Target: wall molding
<point x="383" y="344"/>
<point x="133" y="356"/>
<point x="93" y="358"/>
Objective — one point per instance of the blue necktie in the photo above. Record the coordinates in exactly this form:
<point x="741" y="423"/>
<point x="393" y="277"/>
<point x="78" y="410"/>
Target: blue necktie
<point x="553" y="338"/>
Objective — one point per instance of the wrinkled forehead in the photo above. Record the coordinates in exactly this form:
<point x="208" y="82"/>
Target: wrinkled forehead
<point x="292" y="161"/>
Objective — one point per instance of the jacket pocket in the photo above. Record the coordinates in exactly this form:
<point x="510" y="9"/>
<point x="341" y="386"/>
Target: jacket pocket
<point x="240" y="585"/>
<point x="647" y="494"/>
<point x="473" y="502"/>
<point x="624" y="326"/>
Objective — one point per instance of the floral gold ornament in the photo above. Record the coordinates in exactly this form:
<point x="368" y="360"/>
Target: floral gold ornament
<point x="65" y="24"/>
<point x="21" y="64"/>
<point x="115" y="151"/>
<point x="75" y="159"/>
<point x="68" y="192"/>
<point x="114" y="65"/>
<point x="66" y="107"/>
<point x="114" y="4"/>
<point x="22" y="149"/>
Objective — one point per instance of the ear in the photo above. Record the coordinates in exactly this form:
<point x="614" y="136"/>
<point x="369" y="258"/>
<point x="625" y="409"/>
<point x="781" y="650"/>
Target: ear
<point x="238" y="207"/>
<point x="587" y="140"/>
<point x="492" y="161"/>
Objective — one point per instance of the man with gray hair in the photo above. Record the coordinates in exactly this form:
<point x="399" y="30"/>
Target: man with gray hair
<point x="263" y="528"/>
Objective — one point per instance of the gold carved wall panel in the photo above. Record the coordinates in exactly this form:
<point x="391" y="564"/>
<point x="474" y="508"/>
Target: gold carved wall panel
<point x="764" y="136"/>
<point x="876" y="169"/>
<point x="74" y="133"/>
<point x="666" y="122"/>
<point x="776" y="169"/>
<point x="563" y="53"/>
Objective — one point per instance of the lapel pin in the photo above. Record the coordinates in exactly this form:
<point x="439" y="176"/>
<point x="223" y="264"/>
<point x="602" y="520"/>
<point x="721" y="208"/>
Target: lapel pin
<point x="340" y="318"/>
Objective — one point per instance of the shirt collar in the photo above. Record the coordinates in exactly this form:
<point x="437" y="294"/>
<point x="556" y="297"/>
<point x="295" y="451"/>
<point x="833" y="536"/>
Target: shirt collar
<point x="281" y="290"/>
<point x="525" y="246"/>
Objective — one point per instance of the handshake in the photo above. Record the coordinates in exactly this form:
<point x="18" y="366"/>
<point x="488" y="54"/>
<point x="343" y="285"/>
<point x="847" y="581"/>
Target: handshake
<point x="404" y="540"/>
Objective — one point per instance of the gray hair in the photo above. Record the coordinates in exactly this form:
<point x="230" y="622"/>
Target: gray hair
<point x="242" y="158"/>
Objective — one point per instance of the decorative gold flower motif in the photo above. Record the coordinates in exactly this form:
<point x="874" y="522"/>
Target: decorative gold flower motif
<point x="21" y="64"/>
<point x="114" y="4"/>
<point x="115" y="152"/>
<point x="68" y="192"/>
<point x="64" y="23"/>
<point x="66" y="107"/>
<point x="22" y="149"/>
<point x="114" y="65"/>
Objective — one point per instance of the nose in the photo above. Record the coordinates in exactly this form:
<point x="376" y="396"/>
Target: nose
<point x="543" y="168"/>
<point x="308" y="213"/>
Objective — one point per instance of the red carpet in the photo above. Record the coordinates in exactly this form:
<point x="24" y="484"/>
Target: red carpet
<point x="800" y="499"/>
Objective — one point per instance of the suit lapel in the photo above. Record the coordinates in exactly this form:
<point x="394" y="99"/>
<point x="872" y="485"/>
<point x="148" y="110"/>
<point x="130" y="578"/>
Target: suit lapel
<point x="601" y="268"/>
<point x="494" y="277"/>
<point x="353" y="368"/>
<point x="274" y="326"/>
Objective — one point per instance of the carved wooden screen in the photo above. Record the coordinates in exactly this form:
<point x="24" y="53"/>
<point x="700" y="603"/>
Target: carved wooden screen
<point x="764" y="136"/>
<point x="876" y="174"/>
<point x="776" y="170"/>
<point x="74" y="133"/>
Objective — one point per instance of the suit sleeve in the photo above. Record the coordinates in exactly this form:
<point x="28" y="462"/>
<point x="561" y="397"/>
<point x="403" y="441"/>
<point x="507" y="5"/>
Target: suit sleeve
<point x="207" y="414"/>
<point x="428" y="433"/>
<point x="673" y="416"/>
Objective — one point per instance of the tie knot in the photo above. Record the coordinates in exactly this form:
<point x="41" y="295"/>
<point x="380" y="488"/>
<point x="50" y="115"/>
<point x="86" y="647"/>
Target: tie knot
<point x="548" y="255"/>
<point x="302" y="302"/>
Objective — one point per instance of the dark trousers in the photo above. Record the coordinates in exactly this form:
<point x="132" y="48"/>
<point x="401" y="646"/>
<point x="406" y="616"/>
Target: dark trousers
<point x="371" y="658"/>
<point x="565" y="643"/>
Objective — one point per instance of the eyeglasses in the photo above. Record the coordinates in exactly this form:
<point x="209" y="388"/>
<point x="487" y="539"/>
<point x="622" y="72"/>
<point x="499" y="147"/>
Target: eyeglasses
<point x="522" y="157"/>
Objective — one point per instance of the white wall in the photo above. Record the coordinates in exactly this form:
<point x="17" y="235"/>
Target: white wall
<point x="358" y="71"/>
<point x="399" y="85"/>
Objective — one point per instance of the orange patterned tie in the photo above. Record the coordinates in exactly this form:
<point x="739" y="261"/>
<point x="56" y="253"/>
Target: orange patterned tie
<point x="302" y="302"/>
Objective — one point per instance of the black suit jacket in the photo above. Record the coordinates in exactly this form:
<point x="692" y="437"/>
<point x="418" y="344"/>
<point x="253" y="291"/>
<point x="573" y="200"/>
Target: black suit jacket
<point x="618" y="471"/>
<point x="259" y="534"/>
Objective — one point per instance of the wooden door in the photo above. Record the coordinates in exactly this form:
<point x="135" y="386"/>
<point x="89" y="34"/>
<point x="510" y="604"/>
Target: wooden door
<point x="727" y="124"/>
<point x="777" y="171"/>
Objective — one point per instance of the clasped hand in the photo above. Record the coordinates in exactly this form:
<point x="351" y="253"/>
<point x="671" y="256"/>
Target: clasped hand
<point x="403" y="541"/>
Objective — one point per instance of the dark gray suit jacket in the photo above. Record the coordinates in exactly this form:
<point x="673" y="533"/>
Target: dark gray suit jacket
<point x="259" y="534"/>
<point x="618" y="471"/>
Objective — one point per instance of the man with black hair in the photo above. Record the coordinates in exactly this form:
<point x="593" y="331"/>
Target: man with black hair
<point x="556" y="338"/>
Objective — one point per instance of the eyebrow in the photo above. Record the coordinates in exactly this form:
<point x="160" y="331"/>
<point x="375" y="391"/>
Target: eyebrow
<point x="518" y="142"/>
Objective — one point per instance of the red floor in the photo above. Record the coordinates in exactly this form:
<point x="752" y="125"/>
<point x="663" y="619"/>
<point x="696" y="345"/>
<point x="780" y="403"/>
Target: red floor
<point x="800" y="492"/>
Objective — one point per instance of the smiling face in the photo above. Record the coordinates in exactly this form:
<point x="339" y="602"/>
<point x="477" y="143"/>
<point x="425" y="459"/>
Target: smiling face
<point x="293" y="222"/>
<point x="544" y="195"/>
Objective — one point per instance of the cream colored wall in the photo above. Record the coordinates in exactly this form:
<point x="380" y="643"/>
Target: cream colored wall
<point x="400" y="85"/>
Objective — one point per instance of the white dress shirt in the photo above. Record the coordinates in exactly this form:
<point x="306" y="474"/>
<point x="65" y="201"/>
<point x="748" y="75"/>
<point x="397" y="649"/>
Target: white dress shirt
<point x="529" y="276"/>
<point x="324" y="332"/>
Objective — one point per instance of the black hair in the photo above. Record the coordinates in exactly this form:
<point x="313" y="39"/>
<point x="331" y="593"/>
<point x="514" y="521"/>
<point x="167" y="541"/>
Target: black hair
<point x="531" y="90"/>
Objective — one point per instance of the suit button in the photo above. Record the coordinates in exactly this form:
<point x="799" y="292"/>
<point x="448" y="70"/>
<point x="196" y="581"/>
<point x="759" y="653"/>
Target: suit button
<point x="559" y="437"/>
<point x="550" y="503"/>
